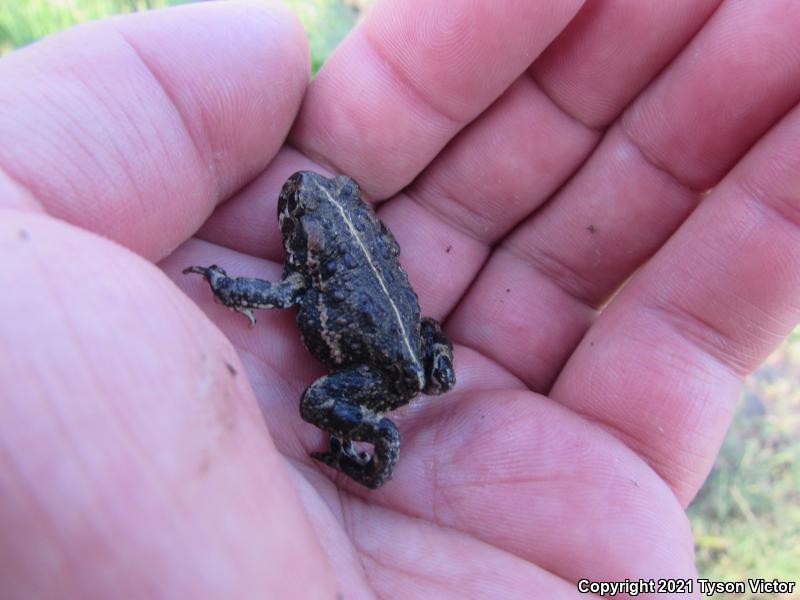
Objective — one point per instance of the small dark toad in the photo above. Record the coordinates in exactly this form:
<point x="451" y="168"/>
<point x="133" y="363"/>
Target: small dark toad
<point x="357" y="314"/>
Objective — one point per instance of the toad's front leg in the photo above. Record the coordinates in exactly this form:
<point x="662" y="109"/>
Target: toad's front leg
<point x="243" y="294"/>
<point x="339" y="404"/>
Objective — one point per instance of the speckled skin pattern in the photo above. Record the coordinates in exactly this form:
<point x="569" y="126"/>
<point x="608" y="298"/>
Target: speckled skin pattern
<point x="357" y="314"/>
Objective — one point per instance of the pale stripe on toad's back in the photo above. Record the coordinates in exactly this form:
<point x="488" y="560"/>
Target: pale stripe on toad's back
<point x="378" y="276"/>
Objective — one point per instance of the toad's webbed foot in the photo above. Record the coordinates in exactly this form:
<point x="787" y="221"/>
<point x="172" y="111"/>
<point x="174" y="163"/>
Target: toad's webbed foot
<point x="341" y="449"/>
<point x="338" y="403"/>
<point x="343" y="456"/>
<point x="243" y="294"/>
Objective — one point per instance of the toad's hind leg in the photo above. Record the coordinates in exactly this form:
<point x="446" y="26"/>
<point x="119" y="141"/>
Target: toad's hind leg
<point x="437" y="354"/>
<point x="337" y="403"/>
<point x="243" y="294"/>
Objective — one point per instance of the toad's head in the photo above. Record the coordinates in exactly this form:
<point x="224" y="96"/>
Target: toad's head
<point x="310" y="207"/>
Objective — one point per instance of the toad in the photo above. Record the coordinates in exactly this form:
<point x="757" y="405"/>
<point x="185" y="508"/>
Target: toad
<point x="357" y="314"/>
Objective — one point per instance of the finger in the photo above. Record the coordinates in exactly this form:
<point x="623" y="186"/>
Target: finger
<point x="520" y="151"/>
<point x="632" y="193"/>
<point x="493" y="174"/>
<point x="132" y="455"/>
<point x="612" y="50"/>
<point x="135" y="127"/>
<point x="410" y="76"/>
<point x="663" y="364"/>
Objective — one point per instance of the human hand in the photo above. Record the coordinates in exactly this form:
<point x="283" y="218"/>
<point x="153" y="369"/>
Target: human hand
<point x="132" y="434"/>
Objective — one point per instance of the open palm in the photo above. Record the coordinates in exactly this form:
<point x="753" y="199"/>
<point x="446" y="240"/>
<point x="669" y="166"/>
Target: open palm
<point x="526" y="180"/>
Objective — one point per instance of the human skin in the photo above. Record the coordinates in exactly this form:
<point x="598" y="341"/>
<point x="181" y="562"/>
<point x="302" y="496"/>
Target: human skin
<point x="151" y="448"/>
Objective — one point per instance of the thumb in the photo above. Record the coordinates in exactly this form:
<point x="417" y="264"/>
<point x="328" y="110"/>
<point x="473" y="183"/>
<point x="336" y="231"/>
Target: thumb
<point x="130" y="440"/>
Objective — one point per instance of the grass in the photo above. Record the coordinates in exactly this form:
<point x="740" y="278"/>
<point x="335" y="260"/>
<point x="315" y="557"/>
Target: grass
<point x="327" y="22"/>
<point x="25" y="21"/>
<point x="746" y="518"/>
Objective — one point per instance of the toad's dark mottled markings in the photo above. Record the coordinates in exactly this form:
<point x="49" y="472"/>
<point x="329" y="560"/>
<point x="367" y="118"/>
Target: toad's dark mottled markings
<point x="358" y="315"/>
<point x="378" y="275"/>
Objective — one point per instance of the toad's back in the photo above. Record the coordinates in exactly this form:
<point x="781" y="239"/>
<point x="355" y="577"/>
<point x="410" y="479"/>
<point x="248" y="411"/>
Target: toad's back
<point x="359" y="308"/>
